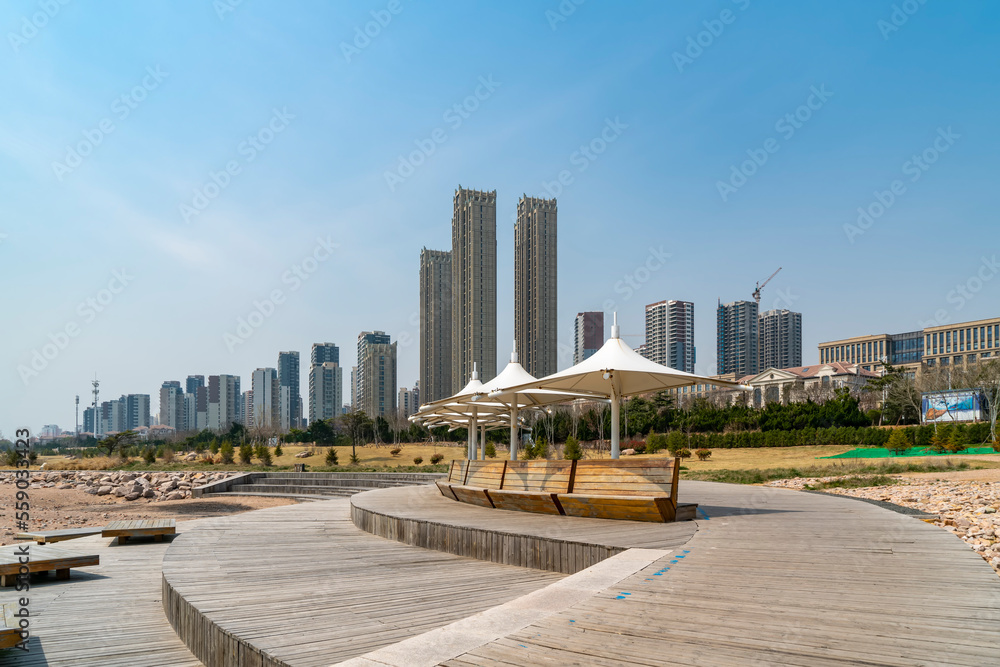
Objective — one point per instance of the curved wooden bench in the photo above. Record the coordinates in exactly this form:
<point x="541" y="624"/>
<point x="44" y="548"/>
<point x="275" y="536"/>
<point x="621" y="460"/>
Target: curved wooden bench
<point x="533" y="486"/>
<point x="482" y="479"/>
<point x="456" y="475"/>
<point x="626" y="489"/>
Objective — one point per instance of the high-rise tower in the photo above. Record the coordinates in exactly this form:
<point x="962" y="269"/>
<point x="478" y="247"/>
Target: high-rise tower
<point x="435" y="324"/>
<point x="474" y="285"/>
<point x="535" y="321"/>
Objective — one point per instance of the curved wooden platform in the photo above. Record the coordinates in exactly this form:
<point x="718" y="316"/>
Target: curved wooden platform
<point x="421" y="516"/>
<point x="301" y="585"/>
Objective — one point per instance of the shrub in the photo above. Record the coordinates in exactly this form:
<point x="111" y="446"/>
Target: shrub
<point x="683" y="452"/>
<point x="541" y="448"/>
<point x="417" y="460"/>
<point x="996" y="446"/>
<point x="396" y="450"/>
<point x="703" y="454"/>
<point x="149" y="456"/>
<point x="655" y="442"/>
<point x="168" y="455"/>
<point x="491" y="450"/>
<point x="264" y="454"/>
<point x="246" y="453"/>
<point x="898" y="443"/>
<point x="214" y="447"/>
<point x="331" y="457"/>
<point x="436" y="459"/>
<point x="278" y="451"/>
<point x="676" y="441"/>
<point x="355" y="459"/>
<point x="207" y="459"/>
<point x="956" y="440"/>
<point x="572" y="450"/>
<point x="226" y="451"/>
<point x="939" y="441"/>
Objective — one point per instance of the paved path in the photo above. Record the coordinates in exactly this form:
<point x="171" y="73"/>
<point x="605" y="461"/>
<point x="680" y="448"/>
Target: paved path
<point x="110" y="615"/>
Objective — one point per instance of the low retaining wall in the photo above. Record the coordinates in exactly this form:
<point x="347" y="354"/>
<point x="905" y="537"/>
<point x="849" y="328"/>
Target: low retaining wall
<point x="538" y="552"/>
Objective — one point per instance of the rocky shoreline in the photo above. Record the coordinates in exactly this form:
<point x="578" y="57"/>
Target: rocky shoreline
<point x="132" y="486"/>
<point x="969" y="510"/>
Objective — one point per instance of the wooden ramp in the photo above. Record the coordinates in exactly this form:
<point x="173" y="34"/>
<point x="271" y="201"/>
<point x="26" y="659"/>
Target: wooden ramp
<point x="155" y="528"/>
<point x="51" y="536"/>
<point x="41" y="559"/>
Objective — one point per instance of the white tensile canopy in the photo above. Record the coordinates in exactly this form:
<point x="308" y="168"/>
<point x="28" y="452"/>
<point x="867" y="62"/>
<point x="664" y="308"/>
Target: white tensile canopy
<point x="614" y="371"/>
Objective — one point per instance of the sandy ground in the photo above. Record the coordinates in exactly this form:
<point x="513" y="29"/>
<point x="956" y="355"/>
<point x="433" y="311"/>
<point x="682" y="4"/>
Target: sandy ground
<point x="984" y="475"/>
<point x="54" y="509"/>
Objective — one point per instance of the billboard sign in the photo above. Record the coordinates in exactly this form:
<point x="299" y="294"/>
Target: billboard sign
<point x="963" y="405"/>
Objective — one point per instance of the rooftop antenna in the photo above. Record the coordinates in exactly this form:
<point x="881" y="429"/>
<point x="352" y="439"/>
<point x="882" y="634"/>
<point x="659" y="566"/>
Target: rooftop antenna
<point x="78" y="415"/>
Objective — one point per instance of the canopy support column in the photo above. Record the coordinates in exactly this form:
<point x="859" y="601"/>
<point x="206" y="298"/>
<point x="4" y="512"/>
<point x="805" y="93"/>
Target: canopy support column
<point x="482" y="448"/>
<point x="473" y="432"/>
<point x="616" y="410"/>
<point x="513" y="429"/>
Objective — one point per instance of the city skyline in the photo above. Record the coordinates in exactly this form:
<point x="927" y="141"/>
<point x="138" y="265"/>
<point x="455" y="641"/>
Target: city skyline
<point x="315" y="237"/>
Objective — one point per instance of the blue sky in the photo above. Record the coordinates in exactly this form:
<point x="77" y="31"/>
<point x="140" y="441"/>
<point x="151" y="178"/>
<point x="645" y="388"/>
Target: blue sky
<point x="331" y="114"/>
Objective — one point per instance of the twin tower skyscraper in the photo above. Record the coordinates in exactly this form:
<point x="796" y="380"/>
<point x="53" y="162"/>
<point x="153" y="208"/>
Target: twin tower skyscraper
<point x="458" y="294"/>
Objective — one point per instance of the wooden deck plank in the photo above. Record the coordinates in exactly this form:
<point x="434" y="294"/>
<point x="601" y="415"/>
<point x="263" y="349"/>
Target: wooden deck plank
<point x="51" y="536"/>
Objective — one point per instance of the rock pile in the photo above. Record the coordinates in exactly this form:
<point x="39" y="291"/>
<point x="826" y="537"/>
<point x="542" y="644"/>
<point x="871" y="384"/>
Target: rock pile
<point x="150" y="486"/>
<point x="970" y="510"/>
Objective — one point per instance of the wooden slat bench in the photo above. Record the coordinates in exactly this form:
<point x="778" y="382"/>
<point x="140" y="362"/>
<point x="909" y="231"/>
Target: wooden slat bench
<point x="50" y="536"/>
<point x="456" y="476"/>
<point x="156" y="528"/>
<point x="626" y="489"/>
<point x="532" y="486"/>
<point x="41" y="559"/>
<point x="10" y="631"/>
<point x="482" y="480"/>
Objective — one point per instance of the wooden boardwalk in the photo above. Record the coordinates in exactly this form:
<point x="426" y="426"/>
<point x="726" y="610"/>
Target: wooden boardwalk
<point x="781" y="577"/>
<point x="108" y="615"/>
<point x="301" y="585"/>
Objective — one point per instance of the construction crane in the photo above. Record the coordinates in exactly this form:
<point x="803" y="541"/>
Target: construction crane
<point x="760" y="286"/>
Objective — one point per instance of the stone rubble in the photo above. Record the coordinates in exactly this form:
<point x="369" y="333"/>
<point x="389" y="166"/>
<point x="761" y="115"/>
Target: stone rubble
<point x="149" y="486"/>
<point x="969" y="510"/>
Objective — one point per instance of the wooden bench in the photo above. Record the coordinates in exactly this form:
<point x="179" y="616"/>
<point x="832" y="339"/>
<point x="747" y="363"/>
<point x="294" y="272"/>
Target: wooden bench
<point x="41" y="559"/>
<point x="10" y="631"/>
<point x="481" y="480"/>
<point x="456" y="476"/>
<point x="626" y="489"/>
<point x="533" y="486"/>
<point x="50" y="536"/>
<point x="156" y="528"/>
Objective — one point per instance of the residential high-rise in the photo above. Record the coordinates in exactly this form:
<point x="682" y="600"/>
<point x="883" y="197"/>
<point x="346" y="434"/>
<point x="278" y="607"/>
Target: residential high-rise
<point x="324" y="352"/>
<point x="435" y="323"/>
<point x="114" y="416"/>
<point x="780" y="335"/>
<point x="737" y="342"/>
<point x="290" y="392"/>
<point x="407" y="401"/>
<point x="376" y="375"/>
<point x="193" y="382"/>
<point x="265" y="404"/>
<point x="535" y="285"/>
<point x="355" y="393"/>
<point x="172" y="405"/>
<point x="670" y="334"/>
<point x="224" y="402"/>
<point x="246" y="409"/>
<point x="474" y="286"/>
<point x="588" y="334"/>
<point x="326" y="381"/>
<point x="88" y="420"/>
<point x="136" y="411"/>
